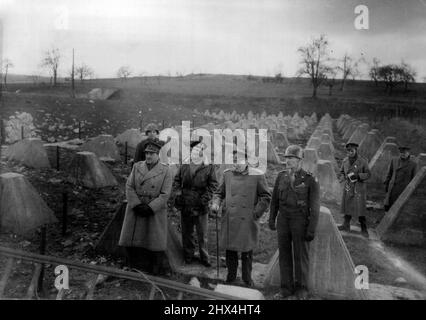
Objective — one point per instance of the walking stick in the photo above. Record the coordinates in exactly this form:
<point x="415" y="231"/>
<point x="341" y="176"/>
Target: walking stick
<point x="217" y="245"/>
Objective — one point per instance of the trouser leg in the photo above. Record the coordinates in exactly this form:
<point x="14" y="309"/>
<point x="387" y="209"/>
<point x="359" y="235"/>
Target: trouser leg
<point x="246" y="262"/>
<point x="285" y="254"/>
<point x="231" y="264"/>
<point x="301" y="253"/>
<point x="160" y="263"/>
<point x="187" y="224"/>
<point x="202" y="232"/>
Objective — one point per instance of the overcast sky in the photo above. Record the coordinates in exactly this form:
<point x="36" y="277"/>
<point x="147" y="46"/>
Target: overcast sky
<point x="209" y="36"/>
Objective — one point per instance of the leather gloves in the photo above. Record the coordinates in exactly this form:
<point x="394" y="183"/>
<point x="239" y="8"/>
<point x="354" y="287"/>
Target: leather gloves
<point x="143" y="210"/>
<point x="309" y="237"/>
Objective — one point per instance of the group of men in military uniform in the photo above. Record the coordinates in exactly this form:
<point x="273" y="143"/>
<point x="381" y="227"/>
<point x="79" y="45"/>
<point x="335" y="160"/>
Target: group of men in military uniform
<point x="355" y="172"/>
<point x="242" y="196"/>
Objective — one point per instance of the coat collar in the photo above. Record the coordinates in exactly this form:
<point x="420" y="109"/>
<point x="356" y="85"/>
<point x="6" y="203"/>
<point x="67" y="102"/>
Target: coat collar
<point x="142" y="169"/>
<point x="357" y="163"/>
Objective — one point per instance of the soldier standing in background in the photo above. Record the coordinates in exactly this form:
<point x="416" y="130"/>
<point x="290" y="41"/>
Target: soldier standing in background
<point x="401" y="171"/>
<point x="294" y="214"/>
<point x="354" y="172"/>
<point x="246" y="198"/>
<point x="194" y="186"/>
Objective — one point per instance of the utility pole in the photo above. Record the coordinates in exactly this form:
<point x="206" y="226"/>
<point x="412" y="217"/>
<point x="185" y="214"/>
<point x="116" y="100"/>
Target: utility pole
<point x="72" y="75"/>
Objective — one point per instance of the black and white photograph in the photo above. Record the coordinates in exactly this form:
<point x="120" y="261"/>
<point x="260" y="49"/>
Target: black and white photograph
<point x="255" y="151"/>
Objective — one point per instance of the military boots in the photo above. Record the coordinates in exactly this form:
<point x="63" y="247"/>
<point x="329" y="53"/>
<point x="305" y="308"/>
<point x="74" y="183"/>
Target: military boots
<point x="346" y="226"/>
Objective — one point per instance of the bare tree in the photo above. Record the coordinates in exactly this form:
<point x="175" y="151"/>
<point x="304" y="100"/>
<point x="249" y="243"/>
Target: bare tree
<point x="7" y="64"/>
<point x="315" y="56"/>
<point x="51" y="61"/>
<point x="124" y="72"/>
<point x="84" y="71"/>
<point x="348" y="67"/>
<point x="374" y="71"/>
<point x="408" y="74"/>
<point x="391" y="75"/>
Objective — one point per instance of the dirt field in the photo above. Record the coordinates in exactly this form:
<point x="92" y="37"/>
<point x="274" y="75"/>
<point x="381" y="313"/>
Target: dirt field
<point x="171" y="101"/>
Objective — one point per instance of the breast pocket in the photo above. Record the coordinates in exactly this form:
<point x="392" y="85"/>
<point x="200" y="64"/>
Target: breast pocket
<point x="302" y="195"/>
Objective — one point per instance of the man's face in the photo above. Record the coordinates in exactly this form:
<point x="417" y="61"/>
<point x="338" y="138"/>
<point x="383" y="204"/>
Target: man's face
<point x="292" y="162"/>
<point x="151" y="157"/>
<point x="351" y="152"/>
<point x="405" y="154"/>
<point x="151" y="134"/>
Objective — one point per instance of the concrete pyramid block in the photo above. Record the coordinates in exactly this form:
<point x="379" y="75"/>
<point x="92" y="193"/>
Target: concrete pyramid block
<point x="328" y="131"/>
<point x="379" y="164"/>
<point x="350" y="130"/>
<point x="369" y="145"/>
<point x="325" y="138"/>
<point x="330" y="188"/>
<point x="66" y="149"/>
<point x="21" y="207"/>
<point x="325" y="152"/>
<point x="87" y="170"/>
<point x="314" y="143"/>
<point x="310" y="159"/>
<point x="421" y="160"/>
<point x="29" y="152"/>
<point x="272" y="156"/>
<point x="359" y="133"/>
<point x="103" y="146"/>
<point x="292" y="133"/>
<point x="131" y="136"/>
<point x="331" y="269"/>
<point x="405" y="222"/>
<point x="281" y="140"/>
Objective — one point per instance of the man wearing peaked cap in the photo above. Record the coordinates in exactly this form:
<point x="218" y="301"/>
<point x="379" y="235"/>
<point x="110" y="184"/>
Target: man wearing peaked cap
<point x="354" y="172"/>
<point x="144" y="231"/>
<point x="152" y="133"/>
<point x="401" y="171"/>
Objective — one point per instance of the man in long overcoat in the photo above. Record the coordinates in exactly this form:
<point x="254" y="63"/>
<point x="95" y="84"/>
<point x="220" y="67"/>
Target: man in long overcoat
<point x="354" y="172"/>
<point x="401" y="171"/>
<point x="194" y="185"/>
<point x="144" y="231"/>
<point x="247" y="197"/>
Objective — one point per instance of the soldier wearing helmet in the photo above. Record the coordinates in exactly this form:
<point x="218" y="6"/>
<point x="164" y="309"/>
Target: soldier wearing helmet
<point x="294" y="214"/>
<point x="151" y="131"/>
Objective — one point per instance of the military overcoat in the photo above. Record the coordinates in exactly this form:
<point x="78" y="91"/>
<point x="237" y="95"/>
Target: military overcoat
<point x="152" y="187"/>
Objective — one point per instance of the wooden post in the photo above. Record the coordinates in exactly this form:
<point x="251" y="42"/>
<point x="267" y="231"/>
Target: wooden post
<point x="72" y="75"/>
<point x="64" y="212"/>
<point x="125" y="152"/>
<point x="57" y="158"/>
<point x="79" y="129"/>
<point x="163" y="124"/>
<point x="22" y="132"/>
<point x="42" y="251"/>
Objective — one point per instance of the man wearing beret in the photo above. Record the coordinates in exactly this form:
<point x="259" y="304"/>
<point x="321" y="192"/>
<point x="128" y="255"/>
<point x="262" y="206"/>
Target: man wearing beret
<point x="401" y="171"/>
<point x="194" y="185"/>
<point x="294" y="214"/>
<point x="354" y="172"/>
<point x="144" y="231"/>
